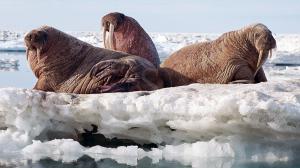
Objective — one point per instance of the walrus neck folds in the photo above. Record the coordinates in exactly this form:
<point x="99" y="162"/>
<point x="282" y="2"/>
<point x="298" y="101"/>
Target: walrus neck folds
<point x="243" y="45"/>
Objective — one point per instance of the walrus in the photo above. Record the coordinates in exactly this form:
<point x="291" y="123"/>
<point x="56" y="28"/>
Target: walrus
<point x="234" y="57"/>
<point x="63" y="63"/>
<point x="125" y="34"/>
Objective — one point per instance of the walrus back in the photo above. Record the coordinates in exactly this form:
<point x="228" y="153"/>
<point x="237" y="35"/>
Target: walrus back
<point x="190" y="63"/>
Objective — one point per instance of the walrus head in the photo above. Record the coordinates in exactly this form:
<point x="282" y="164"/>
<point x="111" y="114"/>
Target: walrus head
<point x="38" y="41"/>
<point x="263" y="40"/>
<point x="47" y="46"/>
<point x="110" y="23"/>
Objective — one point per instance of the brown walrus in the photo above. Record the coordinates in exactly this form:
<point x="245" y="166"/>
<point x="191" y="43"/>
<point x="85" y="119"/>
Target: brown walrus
<point x="63" y="63"/>
<point x="125" y="34"/>
<point x="235" y="57"/>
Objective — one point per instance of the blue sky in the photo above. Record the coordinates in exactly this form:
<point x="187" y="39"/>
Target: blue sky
<point x="154" y="15"/>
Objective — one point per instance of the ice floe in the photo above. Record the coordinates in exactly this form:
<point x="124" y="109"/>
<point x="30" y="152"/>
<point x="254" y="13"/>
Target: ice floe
<point x="258" y="122"/>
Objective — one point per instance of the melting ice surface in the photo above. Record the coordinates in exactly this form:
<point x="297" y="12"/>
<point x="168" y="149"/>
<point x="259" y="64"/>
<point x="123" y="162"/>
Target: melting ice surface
<point x="195" y="126"/>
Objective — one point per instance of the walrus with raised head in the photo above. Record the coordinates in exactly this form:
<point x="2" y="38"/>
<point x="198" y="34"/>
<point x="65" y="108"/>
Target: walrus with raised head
<point x="235" y="57"/>
<point x="63" y="63"/>
<point x="125" y="34"/>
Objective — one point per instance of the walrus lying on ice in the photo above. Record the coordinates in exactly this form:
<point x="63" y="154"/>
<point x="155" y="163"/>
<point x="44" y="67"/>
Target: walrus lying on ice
<point x="63" y="63"/>
<point x="235" y="57"/>
<point x="125" y="34"/>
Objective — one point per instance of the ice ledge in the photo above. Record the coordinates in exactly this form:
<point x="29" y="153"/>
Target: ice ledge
<point x="171" y="115"/>
<point x="254" y="122"/>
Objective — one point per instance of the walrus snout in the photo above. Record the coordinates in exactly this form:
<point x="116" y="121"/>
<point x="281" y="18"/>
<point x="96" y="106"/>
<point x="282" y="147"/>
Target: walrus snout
<point x="36" y="39"/>
<point x="114" y="18"/>
<point x="263" y="37"/>
<point x="264" y="43"/>
<point x="110" y="23"/>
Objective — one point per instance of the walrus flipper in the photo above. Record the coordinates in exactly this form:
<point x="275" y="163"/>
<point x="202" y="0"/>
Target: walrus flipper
<point x="113" y="76"/>
<point x="242" y="82"/>
<point x="260" y="76"/>
<point x="108" y="71"/>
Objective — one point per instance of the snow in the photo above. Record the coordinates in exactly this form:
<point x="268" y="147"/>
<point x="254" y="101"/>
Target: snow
<point x="288" y="49"/>
<point x="288" y="45"/>
<point x="251" y="122"/>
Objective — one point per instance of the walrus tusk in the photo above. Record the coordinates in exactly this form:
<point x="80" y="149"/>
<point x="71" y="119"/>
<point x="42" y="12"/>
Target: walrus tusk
<point x="104" y="38"/>
<point x="111" y="36"/>
<point x="27" y="53"/>
<point x="38" y="54"/>
<point x="259" y="62"/>
<point x="270" y="53"/>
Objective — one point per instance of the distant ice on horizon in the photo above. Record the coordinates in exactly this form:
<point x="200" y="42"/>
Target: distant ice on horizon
<point x="288" y="45"/>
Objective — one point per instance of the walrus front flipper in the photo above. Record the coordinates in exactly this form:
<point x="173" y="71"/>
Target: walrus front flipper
<point x="114" y="76"/>
<point x="260" y="76"/>
<point x="109" y="72"/>
<point x="242" y="82"/>
<point x="119" y="87"/>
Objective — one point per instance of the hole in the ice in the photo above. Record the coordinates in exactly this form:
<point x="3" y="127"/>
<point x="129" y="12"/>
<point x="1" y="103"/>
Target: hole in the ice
<point x="143" y="93"/>
<point x="92" y="138"/>
<point x="3" y="128"/>
<point x="73" y="96"/>
<point x="292" y="124"/>
<point x="89" y="140"/>
<point x="75" y="99"/>
<point x="132" y="128"/>
<point x="43" y="95"/>
<point x="171" y="129"/>
<point x="93" y="131"/>
<point x="192" y="89"/>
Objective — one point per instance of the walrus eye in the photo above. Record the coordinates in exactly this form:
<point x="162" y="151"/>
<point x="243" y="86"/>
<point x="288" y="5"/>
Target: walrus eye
<point x="37" y="38"/>
<point x="256" y="35"/>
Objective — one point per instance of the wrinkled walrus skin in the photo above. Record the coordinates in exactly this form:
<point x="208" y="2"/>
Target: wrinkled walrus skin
<point x="63" y="63"/>
<point x="125" y="34"/>
<point x="235" y="57"/>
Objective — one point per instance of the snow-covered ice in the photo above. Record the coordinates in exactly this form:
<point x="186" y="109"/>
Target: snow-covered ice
<point x="253" y="122"/>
